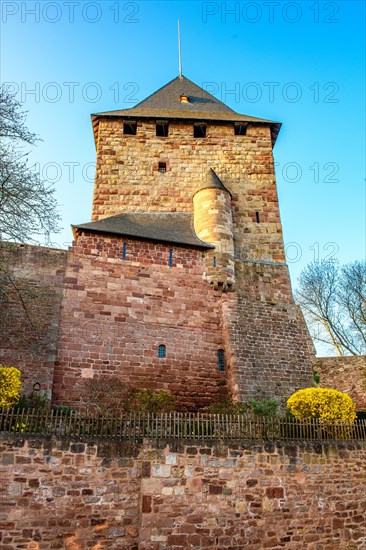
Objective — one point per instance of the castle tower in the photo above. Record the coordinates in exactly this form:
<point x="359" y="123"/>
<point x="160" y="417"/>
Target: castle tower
<point x="213" y="222"/>
<point x="180" y="280"/>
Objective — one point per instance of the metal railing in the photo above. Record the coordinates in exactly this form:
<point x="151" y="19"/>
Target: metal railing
<point x="183" y="426"/>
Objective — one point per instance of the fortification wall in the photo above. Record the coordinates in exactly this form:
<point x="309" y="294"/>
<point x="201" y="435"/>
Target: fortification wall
<point x="269" y="346"/>
<point x="61" y="494"/>
<point x="347" y="374"/>
<point x="115" y="314"/>
<point x="31" y="286"/>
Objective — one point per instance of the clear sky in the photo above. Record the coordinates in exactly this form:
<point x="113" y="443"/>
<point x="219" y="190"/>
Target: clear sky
<point x="301" y="63"/>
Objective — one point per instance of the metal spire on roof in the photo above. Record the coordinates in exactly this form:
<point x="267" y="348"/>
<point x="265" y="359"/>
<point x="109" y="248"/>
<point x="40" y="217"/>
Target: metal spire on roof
<point x="179" y="52"/>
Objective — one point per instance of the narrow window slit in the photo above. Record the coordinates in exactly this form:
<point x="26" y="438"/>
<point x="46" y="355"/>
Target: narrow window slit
<point x="124" y="251"/>
<point x="214" y="262"/>
<point x="220" y="360"/>
<point x="170" y="258"/>
<point x="257" y="217"/>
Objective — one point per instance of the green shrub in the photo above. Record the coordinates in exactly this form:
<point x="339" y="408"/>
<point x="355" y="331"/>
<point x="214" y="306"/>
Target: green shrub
<point x="261" y="407"/>
<point x="325" y="404"/>
<point x="10" y="385"/>
<point x="149" y="401"/>
<point x="227" y="405"/>
<point x="264" y="407"/>
<point x="34" y="400"/>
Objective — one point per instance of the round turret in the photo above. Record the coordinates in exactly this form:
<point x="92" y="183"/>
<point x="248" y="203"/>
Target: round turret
<point x="213" y="223"/>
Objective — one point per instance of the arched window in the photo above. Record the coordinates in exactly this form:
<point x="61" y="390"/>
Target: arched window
<point x="161" y="351"/>
<point x="220" y="360"/>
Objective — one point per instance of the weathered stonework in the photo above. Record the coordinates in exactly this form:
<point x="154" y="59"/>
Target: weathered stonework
<point x="76" y="495"/>
<point x="31" y="280"/>
<point x="116" y="312"/>
<point x="347" y="374"/>
<point x="127" y="177"/>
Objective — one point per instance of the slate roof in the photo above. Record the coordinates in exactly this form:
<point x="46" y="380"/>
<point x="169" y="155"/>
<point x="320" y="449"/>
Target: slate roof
<point x="214" y="182"/>
<point x="170" y="227"/>
<point x="202" y="106"/>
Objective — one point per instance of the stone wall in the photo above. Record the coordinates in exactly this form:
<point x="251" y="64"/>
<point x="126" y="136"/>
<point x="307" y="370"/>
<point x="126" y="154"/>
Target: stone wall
<point x="269" y="348"/>
<point x="347" y="374"/>
<point x="115" y="314"/>
<point x="31" y="286"/>
<point x="127" y="177"/>
<point x="74" y="495"/>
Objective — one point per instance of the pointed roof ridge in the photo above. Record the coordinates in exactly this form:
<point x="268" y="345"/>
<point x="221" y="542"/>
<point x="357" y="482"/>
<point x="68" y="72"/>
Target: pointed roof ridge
<point x="214" y="182"/>
<point x="199" y="98"/>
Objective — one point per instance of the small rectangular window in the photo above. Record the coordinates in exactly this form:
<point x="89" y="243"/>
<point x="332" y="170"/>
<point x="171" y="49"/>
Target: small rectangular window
<point x="220" y="360"/>
<point x="240" y="129"/>
<point x="124" y="251"/>
<point x="170" y="258"/>
<point x="257" y="217"/>
<point x="130" y="128"/>
<point x="162" y="167"/>
<point x="199" y="130"/>
<point x="162" y="128"/>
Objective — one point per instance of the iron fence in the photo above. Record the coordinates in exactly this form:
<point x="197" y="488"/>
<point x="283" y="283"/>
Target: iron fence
<point x="184" y="426"/>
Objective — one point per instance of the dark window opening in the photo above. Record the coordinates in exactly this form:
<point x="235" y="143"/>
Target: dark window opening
<point x="257" y="217"/>
<point x="220" y="360"/>
<point x="170" y="258"/>
<point x="240" y="129"/>
<point x="161" y="351"/>
<point x="124" y="251"/>
<point x="214" y="261"/>
<point x="199" y="130"/>
<point x="162" y="167"/>
<point x="162" y="129"/>
<point x="130" y="128"/>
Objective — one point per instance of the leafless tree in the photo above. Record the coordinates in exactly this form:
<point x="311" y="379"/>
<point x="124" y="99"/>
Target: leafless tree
<point x="28" y="206"/>
<point x="333" y="300"/>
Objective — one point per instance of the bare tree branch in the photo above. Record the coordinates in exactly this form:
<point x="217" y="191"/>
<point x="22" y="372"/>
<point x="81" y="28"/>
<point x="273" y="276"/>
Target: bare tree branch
<point x="28" y="206"/>
<point x="333" y="300"/>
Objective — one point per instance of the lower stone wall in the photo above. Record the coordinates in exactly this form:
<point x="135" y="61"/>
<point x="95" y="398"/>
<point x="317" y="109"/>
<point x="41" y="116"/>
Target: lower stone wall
<point x="75" y="495"/>
<point x="31" y="288"/>
<point x="270" y="348"/>
<point x="346" y="373"/>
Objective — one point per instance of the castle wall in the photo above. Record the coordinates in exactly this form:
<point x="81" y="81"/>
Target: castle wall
<point x="75" y="495"/>
<point x="127" y="177"/>
<point x="346" y="373"/>
<point x="115" y="313"/>
<point x="31" y="286"/>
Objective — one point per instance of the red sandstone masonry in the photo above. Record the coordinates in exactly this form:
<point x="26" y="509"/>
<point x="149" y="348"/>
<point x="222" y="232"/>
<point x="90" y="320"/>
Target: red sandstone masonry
<point x="116" y="312"/>
<point x="347" y="374"/>
<point x="28" y="335"/>
<point x="60" y="494"/>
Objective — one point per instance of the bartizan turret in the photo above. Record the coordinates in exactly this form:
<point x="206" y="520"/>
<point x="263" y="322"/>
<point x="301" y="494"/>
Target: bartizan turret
<point x="213" y="223"/>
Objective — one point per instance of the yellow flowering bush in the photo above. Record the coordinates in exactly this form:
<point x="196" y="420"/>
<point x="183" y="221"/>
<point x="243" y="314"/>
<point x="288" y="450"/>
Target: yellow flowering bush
<point x="325" y="404"/>
<point x="10" y="385"/>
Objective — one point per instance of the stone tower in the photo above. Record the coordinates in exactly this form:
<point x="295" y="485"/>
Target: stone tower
<point x="182" y="271"/>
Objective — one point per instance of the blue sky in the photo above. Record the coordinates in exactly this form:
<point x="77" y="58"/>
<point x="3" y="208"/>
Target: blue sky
<point x="300" y="63"/>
